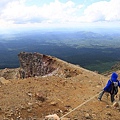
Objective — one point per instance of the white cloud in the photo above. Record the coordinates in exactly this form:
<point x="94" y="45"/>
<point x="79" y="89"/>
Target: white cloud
<point x="16" y="12"/>
<point x="59" y="12"/>
<point x="54" y="12"/>
<point x="103" y="11"/>
<point x="113" y="11"/>
<point x="4" y="2"/>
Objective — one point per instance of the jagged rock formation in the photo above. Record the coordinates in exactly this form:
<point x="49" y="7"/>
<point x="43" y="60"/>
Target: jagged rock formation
<point x="35" y="64"/>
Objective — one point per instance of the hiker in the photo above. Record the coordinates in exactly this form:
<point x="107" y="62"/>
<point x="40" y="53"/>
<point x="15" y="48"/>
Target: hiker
<point x="111" y="87"/>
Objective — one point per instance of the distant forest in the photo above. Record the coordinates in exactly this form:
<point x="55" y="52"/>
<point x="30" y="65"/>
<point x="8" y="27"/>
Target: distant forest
<point x="93" y="51"/>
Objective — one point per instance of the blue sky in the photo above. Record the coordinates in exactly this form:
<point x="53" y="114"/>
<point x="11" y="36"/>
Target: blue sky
<point x="59" y="13"/>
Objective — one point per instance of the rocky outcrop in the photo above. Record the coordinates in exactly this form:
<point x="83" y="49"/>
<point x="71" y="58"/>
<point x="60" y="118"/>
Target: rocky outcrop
<point x="10" y="73"/>
<point x="35" y="64"/>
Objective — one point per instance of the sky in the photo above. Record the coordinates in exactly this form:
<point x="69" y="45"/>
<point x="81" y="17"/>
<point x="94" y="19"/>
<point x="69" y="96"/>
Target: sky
<point x="59" y="13"/>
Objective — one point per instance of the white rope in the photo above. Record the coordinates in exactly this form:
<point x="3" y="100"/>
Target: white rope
<point x="80" y="105"/>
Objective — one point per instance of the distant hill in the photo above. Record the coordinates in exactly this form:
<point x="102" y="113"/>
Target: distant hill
<point x="90" y="49"/>
<point x="115" y="67"/>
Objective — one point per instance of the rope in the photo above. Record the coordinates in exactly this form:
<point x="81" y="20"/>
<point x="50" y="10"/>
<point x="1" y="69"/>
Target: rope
<point x="80" y="105"/>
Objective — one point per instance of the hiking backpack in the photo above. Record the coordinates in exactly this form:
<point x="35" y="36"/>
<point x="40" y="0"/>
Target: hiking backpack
<point x="114" y="89"/>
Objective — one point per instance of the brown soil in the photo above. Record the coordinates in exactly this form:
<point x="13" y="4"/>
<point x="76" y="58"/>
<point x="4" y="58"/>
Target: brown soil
<point x="59" y="93"/>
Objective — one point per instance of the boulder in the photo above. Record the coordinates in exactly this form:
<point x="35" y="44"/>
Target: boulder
<point x="41" y="96"/>
<point x="52" y="117"/>
<point x="4" y="81"/>
<point x="87" y="116"/>
<point x="115" y="104"/>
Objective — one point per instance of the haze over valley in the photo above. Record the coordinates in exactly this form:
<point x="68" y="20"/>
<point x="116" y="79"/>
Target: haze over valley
<point x="95" y="49"/>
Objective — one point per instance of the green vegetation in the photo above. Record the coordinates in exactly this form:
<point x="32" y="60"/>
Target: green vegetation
<point x="94" y="51"/>
<point x="101" y="67"/>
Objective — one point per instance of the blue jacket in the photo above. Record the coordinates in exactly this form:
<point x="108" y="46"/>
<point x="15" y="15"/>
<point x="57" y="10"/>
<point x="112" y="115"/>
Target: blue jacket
<point x="108" y="86"/>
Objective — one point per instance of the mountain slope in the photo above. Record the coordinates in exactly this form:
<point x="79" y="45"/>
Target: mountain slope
<point x="58" y="93"/>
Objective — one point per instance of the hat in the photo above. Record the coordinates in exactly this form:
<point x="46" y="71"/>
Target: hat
<point x="114" y="76"/>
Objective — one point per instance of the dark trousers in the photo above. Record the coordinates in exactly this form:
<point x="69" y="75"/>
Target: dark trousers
<point x="102" y="93"/>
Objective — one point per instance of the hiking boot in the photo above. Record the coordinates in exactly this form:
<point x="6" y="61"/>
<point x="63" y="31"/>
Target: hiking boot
<point x="99" y="99"/>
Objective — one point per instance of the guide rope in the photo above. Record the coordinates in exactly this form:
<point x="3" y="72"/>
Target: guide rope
<point x="80" y="105"/>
